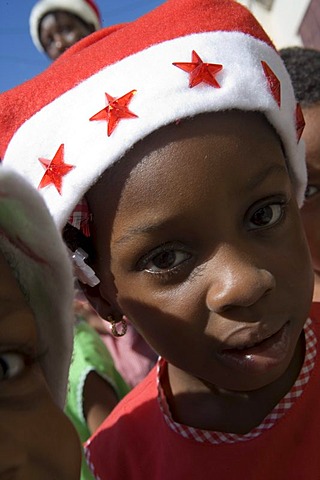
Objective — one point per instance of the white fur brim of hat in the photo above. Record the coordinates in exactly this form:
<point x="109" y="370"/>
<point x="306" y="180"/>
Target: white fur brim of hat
<point x="78" y="7"/>
<point x="34" y="249"/>
<point x="163" y="97"/>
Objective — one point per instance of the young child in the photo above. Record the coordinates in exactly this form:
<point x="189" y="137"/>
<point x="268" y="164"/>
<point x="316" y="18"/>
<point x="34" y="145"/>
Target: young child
<point x="181" y="152"/>
<point x="95" y="386"/>
<point x="303" y="65"/>
<point x="132" y="356"/>
<point x="37" y="441"/>
<point x="56" y="25"/>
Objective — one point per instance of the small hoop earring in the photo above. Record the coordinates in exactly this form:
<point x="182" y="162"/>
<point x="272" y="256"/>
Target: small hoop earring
<point x="114" y="330"/>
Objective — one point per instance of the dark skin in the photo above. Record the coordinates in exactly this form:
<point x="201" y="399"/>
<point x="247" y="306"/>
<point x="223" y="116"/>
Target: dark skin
<point x="99" y="397"/>
<point x="32" y="426"/>
<point x="202" y="247"/>
<point x="59" y="30"/>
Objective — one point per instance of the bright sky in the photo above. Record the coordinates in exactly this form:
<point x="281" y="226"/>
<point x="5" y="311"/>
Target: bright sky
<point x="19" y="58"/>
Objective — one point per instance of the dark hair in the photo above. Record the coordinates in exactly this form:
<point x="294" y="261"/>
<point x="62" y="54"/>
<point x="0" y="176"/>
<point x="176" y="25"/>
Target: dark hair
<point x="303" y="65"/>
<point x="74" y="239"/>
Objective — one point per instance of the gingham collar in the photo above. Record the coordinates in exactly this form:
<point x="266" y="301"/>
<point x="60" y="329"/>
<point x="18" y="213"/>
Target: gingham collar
<point x="206" y="436"/>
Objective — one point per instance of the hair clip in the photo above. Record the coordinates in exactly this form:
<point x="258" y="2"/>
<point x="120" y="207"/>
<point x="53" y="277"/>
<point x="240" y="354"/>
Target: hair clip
<point x="83" y="272"/>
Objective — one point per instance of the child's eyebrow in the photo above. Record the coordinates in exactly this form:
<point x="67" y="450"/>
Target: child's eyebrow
<point x="141" y="229"/>
<point x="274" y="169"/>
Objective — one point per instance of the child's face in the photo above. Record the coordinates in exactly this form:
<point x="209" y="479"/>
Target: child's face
<point x="61" y="30"/>
<point x="207" y="254"/>
<point x="311" y="208"/>
<point x="32" y="428"/>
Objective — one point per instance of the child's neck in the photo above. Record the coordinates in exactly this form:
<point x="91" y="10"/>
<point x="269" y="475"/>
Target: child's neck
<point x="196" y="404"/>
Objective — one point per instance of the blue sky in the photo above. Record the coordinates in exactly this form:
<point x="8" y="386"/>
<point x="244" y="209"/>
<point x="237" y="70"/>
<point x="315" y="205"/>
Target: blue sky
<point x="20" y="60"/>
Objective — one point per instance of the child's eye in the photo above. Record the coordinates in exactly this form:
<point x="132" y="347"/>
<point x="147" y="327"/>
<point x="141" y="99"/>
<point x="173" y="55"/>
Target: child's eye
<point x="164" y="260"/>
<point x="11" y="365"/>
<point x="310" y="191"/>
<point x="266" y="216"/>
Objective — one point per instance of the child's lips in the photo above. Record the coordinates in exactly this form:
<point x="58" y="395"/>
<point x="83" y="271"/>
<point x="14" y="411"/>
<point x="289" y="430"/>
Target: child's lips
<point x="260" y="356"/>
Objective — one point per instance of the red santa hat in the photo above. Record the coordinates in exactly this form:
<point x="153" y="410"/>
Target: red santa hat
<point x="62" y="129"/>
<point x="87" y="10"/>
<point x="39" y="260"/>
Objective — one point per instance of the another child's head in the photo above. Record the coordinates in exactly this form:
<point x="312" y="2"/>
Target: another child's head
<point x="303" y="65"/>
<point x="184" y="149"/>
<point x="56" y="25"/>
<point x="36" y="290"/>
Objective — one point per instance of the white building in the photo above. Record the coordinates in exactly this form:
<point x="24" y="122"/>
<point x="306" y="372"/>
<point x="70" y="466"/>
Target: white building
<point x="288" y="22"/>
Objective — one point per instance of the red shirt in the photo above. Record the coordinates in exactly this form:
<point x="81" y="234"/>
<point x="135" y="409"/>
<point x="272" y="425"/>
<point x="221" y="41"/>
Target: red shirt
<point x="137" y="442"/>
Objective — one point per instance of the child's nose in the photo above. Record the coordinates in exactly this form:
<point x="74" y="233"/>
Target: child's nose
<point x="240" y="283"/>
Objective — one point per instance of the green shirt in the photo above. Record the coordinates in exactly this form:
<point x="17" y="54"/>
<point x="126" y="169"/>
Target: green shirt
<point x="89" y="354"/>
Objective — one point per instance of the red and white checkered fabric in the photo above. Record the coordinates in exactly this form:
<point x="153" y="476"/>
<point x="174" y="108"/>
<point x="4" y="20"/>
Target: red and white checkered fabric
<point x="80" y="217"/>
<point x="279" y="410"/>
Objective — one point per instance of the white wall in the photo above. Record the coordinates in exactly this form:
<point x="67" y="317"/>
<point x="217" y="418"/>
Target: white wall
<point x="282" y="22"/>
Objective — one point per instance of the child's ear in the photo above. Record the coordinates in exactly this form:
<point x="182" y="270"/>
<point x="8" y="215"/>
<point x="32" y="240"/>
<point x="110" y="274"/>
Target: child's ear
<point x="101" y="305"/>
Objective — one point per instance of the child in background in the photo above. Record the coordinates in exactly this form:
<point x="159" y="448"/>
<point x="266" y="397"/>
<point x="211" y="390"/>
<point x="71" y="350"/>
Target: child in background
<point x="95" y="386"/>
<point x="182" y="150"/>
<point x="132" y="356"/>
<point x="37" y="441"/>
<point x="303" y="65"/>
<point x="56" y="25"/>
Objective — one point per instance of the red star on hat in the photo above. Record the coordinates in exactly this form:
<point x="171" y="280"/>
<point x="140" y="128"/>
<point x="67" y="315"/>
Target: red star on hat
<point x="300" y="122"/>
<point x="200" y="71"/>
<point x="273" y="81"/>
<point x="116" y="110"/>
<point x="55" y="170"/>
